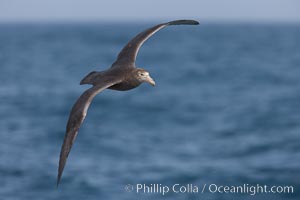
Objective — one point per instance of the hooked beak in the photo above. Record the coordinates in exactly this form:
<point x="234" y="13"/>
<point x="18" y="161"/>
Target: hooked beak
<point x="150" y="81"/>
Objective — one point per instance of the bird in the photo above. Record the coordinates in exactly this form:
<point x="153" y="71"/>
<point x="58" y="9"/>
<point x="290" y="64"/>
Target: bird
<point x="122" y="75"/>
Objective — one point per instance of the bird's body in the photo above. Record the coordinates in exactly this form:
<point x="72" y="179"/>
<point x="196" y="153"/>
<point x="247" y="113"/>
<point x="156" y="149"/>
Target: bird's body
<point x="129" y="80"/>
<point x="123" y="75"/>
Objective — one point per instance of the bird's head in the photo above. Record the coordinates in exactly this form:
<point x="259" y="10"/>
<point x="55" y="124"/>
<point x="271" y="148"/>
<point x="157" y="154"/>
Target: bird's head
<point x="144" y="76"/>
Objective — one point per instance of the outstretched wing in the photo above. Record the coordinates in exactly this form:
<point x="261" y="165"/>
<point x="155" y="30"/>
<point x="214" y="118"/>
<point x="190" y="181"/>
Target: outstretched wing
<point x="128" y="54"/>
<point x="76" y="118"/>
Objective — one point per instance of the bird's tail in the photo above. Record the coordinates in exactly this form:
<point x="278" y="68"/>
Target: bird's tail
<point x="89" y="79"/>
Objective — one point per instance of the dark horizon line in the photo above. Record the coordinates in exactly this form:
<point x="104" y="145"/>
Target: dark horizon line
<point x="147" y="21"/>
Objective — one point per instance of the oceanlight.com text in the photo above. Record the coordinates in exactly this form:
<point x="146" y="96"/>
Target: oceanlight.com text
<point x="250" y="189"/>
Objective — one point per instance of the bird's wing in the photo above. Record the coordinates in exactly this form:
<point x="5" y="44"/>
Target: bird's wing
<point x="77" y="116"/>
<point x="128" y="54"/>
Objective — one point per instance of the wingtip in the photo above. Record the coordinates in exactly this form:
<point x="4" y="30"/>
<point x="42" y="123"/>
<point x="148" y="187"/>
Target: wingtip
<point x="61" y="166"/>
<point x="196" y="22"/>
<point x="58" y="180"/>
<point x="184" y="22"/>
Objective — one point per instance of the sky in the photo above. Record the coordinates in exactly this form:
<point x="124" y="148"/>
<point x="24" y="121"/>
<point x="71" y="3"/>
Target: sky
<point x="142" y="10"/>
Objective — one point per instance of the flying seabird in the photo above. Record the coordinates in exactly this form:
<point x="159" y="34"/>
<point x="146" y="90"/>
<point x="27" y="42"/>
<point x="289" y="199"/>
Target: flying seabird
<point x="122" y="75"/>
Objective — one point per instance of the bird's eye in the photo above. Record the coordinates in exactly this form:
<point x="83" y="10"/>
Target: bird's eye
<point x="142" y="74"/>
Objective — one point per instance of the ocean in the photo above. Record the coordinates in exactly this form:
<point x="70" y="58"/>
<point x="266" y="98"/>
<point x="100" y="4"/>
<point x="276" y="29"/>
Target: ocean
<point x="222" y="122"/>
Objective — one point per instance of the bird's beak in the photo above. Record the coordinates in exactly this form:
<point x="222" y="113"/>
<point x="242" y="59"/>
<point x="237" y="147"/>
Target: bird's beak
<point x="150" y="81"/>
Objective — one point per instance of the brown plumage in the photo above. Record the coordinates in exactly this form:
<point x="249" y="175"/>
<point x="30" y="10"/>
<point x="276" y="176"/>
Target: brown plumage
<point x="123" y="75"/>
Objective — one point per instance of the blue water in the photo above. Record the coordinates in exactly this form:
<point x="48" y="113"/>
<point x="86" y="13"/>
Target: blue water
<point x="225" y="110"/>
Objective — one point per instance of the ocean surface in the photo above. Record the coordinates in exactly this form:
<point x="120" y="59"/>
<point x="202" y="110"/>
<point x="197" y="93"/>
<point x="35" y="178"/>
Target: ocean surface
<point x="225" y="111"/>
